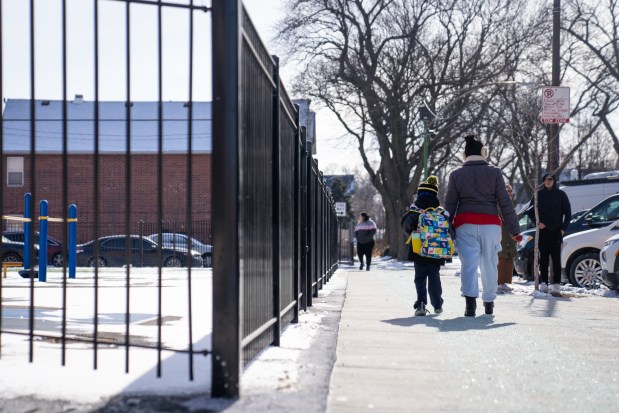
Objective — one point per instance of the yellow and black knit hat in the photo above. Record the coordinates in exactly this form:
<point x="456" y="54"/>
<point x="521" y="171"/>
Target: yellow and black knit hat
<point x="430" y="184"/>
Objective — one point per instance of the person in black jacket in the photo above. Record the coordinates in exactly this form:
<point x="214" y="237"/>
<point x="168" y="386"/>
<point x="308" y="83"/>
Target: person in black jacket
<point x="427" y="270"/>
<point x="364" y="233"/>
<point x="554" y="217"/>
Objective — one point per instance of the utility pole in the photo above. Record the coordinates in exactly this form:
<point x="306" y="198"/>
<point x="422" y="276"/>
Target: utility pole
<point x="553" y="130"/>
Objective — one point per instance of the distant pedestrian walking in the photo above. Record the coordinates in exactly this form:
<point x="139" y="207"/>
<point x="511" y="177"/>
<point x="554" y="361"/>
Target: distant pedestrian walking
<point x="427" y="270"/>
<point x="364" y="233"/>
<point x="555" y="212"/>
<point x="475" y="193"/>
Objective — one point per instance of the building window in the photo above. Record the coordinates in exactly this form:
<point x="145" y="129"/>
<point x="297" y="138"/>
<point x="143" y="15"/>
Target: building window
<point x="15" y="171"/>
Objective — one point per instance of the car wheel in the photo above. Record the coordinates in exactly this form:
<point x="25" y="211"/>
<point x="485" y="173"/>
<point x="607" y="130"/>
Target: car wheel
<point x="586" y="271"/>
<point x="207" y="260"/>
<point x="173" y="261"/>
<point x="57" y="260"/>
<point x="11" y="257"/>
<point x="102" y="262"/>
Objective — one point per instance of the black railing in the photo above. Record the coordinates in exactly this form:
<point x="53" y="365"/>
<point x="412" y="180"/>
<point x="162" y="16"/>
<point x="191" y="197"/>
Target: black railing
<point x="143" y="167"/>
<point x="273" y="219"/>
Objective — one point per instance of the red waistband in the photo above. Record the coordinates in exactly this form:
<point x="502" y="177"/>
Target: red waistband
<point x="476" y="219"/>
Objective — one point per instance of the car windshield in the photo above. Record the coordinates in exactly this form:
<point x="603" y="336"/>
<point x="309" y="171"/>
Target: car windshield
<point x="608" y="211"/>
<point x="577" y="215"/>
<point x="178" y="239"/>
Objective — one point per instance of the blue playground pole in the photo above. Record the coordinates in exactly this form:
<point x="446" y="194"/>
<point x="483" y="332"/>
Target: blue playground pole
<point x="27" y="223"/>
<point x="72" y="238"/>
<point x="43" y="223"/>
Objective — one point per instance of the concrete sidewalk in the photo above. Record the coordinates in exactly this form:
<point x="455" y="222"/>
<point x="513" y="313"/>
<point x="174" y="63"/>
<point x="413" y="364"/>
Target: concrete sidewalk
<point x="535" y="354"/>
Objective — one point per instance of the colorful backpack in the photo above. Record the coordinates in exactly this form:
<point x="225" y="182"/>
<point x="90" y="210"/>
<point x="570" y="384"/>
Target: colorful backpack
<point x="432" y="239"/>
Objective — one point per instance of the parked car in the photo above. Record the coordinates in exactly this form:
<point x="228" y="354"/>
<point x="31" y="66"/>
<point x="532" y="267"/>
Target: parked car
<point x="580" y="255"/>
<point x="586" y="193"/>
<point x="54" y="247"/>
<point x="143" y="253"/>
<point x="600" y="216"/>
<point x="175" y="241"/>
<point x="14" y="251"/>
<point x="609" y="259"/>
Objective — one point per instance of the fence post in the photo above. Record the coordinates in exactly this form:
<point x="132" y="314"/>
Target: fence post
<point x="227" y="277"/>
<point x="297" y="216"/>
<point x="43" y="222"/>
<point x="275" y="227"/>
<point x="72" y="239"/>
<point x="27" y="226"/>
<point x="305" y="285"/>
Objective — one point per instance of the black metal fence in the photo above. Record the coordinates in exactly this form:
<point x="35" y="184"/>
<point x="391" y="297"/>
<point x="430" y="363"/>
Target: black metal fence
<point x="274" y="222"/>
<point x="274" y="230"/>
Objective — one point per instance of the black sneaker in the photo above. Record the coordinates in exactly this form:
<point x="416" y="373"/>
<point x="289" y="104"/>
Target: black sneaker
<point x="421" y="310"/>
<point x="361" y="266"/>
<point x="438" y="310"/>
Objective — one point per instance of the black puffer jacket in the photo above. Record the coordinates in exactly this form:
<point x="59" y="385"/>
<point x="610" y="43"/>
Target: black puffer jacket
<point x="411" y="219"/>
<point x="554" y="207"/>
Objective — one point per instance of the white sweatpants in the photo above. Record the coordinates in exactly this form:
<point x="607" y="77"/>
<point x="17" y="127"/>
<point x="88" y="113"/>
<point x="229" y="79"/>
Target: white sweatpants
<point x="477" y="247"/>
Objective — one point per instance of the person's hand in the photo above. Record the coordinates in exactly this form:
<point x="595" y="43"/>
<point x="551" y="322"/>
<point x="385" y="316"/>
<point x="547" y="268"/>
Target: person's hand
<point x="541" y="225"/>
<point x="562" y="232"/>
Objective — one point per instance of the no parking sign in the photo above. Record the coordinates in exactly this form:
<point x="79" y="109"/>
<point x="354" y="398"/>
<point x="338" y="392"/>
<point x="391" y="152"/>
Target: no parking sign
<point x="555" y="104"/>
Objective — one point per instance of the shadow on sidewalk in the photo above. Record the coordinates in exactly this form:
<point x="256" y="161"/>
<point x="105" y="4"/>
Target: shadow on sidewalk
<point x="482" y="322"/>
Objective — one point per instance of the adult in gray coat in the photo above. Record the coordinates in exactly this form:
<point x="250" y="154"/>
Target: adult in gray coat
<point x="475" y="193"/>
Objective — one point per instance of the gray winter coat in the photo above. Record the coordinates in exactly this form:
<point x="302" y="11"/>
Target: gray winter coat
<point x="479" y="187"/>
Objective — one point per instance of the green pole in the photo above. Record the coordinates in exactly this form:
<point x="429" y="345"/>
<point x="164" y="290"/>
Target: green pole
<point x="425" y="150"/>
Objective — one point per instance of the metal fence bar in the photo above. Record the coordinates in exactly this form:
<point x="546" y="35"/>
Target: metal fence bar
<point x="304" y="233"/>
<point x="32" y="180"/>
<point x="297" y="245"/>
<point x="127" y="231"/>
<point x="189" y="210"/>
<point x="65" y="178"/>
<point x="96" y="183"/>
<point x="227" y="268"/>
<point x="159" y="181"/>
<point x="276" y="207"/>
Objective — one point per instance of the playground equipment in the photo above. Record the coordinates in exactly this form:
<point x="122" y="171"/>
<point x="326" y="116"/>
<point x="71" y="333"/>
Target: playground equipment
<point x="44" y="220"/>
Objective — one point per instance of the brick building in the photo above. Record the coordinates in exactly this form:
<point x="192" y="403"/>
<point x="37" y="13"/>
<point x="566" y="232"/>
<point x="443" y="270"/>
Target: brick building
<point x="141" y="161"/>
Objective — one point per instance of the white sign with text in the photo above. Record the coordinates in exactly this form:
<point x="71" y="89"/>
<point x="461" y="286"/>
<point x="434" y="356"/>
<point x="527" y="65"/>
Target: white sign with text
<point x="555" y="104"/>
<point x="340" y="209"/>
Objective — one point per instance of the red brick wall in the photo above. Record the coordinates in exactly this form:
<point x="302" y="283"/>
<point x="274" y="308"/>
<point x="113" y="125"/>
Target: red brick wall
<point x="112" y="198"/>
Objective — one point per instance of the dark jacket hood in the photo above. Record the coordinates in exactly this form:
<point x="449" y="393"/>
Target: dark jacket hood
<point x="554" y="180"/>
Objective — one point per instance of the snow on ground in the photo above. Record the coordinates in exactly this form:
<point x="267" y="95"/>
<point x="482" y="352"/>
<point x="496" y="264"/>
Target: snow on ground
<point x="45" y="376"/>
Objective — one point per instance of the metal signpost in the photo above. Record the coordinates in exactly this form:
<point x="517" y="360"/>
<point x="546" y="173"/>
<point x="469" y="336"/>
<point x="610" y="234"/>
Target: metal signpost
<point x="340" y="211"/>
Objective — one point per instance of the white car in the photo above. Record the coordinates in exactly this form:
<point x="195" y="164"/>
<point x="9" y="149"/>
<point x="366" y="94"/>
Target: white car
<point x="580" y="255"/>
<point x="609" y="258"/>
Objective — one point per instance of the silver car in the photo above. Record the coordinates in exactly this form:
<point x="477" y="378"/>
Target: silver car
<point x="178" y="241"/>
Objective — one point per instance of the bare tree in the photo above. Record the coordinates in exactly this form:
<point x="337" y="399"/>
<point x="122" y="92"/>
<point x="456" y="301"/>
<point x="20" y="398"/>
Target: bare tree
<point x="374" y="63"/>
<point x="593" y="34"/>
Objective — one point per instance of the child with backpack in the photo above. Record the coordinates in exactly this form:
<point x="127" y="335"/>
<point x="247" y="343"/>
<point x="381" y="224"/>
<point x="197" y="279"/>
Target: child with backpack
<point x="427" y="217"/>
